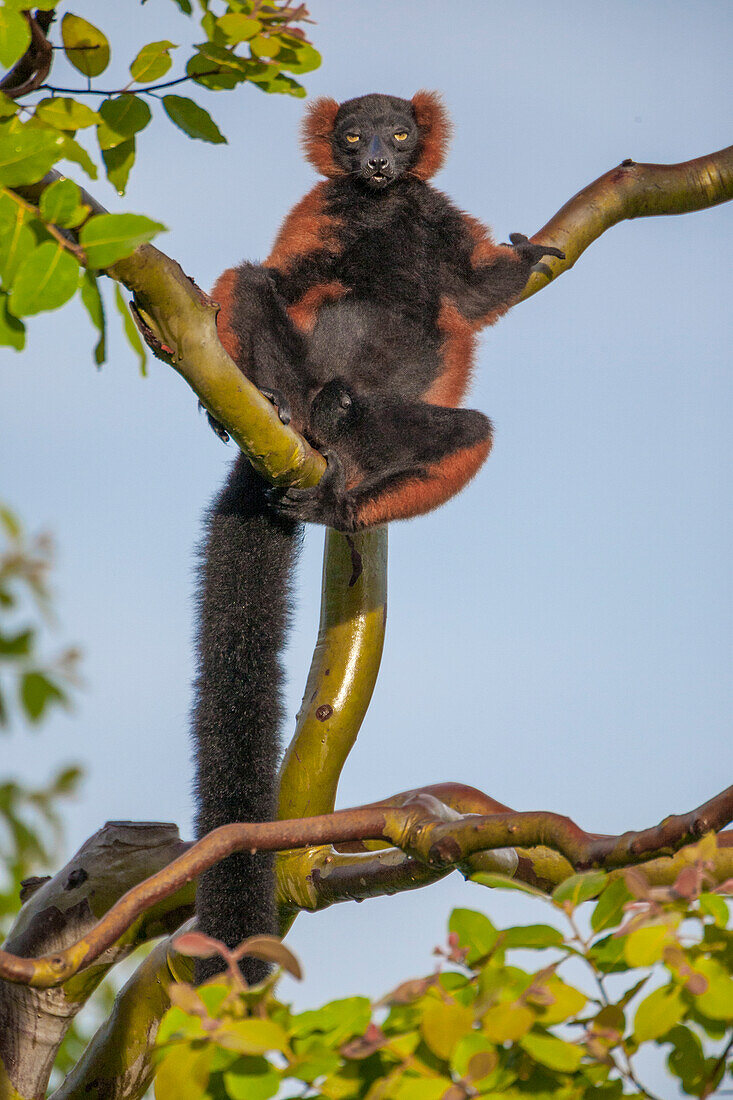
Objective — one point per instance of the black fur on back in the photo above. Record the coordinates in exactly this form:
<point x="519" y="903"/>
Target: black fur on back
<point x="246" y="564"/>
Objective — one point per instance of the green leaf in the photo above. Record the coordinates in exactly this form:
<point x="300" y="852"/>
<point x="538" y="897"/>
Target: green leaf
<point x="686" y="1060"/>
<point x="177" y="1024"/>
<point x="566" y="1001"/>
<point x="66" y="114"/>
<point x="238" y="27"/>
<point x="122" y="116"/>
<point x="315" y="1059"/>
<point x="535" y="936"/>
<point x="275" y="82"/>
<point x="86" y="47"/>
<point x="73" y="151"/>
<point x="184" y="1073"/>
<point x="505" y="1023"/>
<point x="579" y="888"/>
<point x="551" y="1052"/>
<point x="12" y="331"/>
<point x="645" y="946"/>
<point x="37" y="692"/>
<point x="251" y="1079"/>
<point x="27" y="154"/>
<point x="339" y="1020"/>
<point x="474" y="1057"/>
<point x="16" y="238"/>
<point x="501" y="882"/>
<point x="46" y="279"/>
<point x="251" y="1036"/>
<point x="94" y="306"/>
<point x="217" y="68"/>
<point x="60" y="203"/>
<point x="717" y="1000"/>
<point x="475" y="932"/>
<point x="107" y="238"/>
<point x="131" y="330"/>
<point x="265" y="46"/>
<point x="15" y="37"/>
<point x="212" y="994"/>
<point x="67" y="780"/>
<point x="657" y="1013"/>
<point x="417" y="1088"/>
<point x="192" y="119"/>
<point x="152" y="62"/>
<point x="443" y="1024"/>
<point x="301" y="58"/>
<point x="713" y="905"/>
<point x="608" y="954"/>
<point x="12" y="527"/>
<point x="8" y="106"/>
<point x="609" y="909"/>
<point x="118" y="162"/>
<point x="16" y="645"/>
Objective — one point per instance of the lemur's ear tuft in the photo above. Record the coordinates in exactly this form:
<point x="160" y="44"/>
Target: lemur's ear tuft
<point x="435" y="129"/>
<point x="316" y="132"/>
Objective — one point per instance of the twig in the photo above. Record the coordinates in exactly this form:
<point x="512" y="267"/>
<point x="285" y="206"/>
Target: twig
<point x="127" y="90"/>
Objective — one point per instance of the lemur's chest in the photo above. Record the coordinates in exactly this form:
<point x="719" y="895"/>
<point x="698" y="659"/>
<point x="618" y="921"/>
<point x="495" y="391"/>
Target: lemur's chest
<point x="392" y="260"/>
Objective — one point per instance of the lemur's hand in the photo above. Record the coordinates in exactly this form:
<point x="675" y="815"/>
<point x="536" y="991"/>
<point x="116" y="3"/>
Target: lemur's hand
<point x="532" y="253"/>
<point x="327" y="502"/>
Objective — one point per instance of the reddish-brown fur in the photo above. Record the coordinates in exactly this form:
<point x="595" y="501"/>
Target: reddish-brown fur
<point x="316" y="136"/>
<point x="306" y="229"/>
<point x="484" y="251"/>
<point x="457" y="349"/>
<point x="434" y="123"/>
<point x="303" y="313"/>
<point x="223" y="293"/>
<point x="421" y="495"/>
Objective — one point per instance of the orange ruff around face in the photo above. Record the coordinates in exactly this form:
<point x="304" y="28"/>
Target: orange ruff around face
<point x="315" y="136"/>
<point x="420" y="495"/>
<point x="435" y="129"/>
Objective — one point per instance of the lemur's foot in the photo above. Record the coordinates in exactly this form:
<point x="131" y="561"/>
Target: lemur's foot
<point x="327" y="502"/>
<point x="281" y="403"/>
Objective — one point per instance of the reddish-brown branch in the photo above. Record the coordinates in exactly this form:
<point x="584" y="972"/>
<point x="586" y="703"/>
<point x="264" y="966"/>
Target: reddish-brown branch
<point x="421" y="825"/>
<point x="34" y="66"/>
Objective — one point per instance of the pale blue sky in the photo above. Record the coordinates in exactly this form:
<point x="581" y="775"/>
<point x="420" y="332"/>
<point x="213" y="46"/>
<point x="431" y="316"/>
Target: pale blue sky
<point x="560" y="633"/>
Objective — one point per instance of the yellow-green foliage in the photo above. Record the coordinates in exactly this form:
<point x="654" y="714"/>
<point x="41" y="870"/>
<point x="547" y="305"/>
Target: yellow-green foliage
<point x="645" y="966"/>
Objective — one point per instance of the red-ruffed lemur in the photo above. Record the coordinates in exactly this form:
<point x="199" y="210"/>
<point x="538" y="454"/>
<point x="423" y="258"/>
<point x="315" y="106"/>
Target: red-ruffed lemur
<point x="361" y="327"/>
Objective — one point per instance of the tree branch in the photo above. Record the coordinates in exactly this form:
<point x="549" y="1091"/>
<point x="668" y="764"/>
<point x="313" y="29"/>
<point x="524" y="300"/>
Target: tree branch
<point x="116" y="1063"/>
<point x="29" y="73"/>
<point x="420" y="832"/>
<point x="631" y="190"/>
<point x="179" y="323"/>
<point x="64" y="909"/>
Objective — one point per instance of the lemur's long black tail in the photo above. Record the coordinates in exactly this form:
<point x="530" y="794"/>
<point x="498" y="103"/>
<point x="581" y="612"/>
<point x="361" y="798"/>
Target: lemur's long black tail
<point x="247" y="563"/>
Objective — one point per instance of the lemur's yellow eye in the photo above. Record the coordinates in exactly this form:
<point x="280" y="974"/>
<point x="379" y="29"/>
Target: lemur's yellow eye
<point x="352" y="138"/>
<point x="401" y="136"/>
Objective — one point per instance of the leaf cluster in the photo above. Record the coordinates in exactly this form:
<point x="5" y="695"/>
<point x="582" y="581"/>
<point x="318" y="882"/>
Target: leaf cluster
<point x="654" y="966"/>
<point x="28" y="682"/>
<point x="52" y="249"/>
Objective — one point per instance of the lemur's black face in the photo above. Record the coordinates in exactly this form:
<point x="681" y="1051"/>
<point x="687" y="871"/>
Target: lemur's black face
<point x="376" y="139"/>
